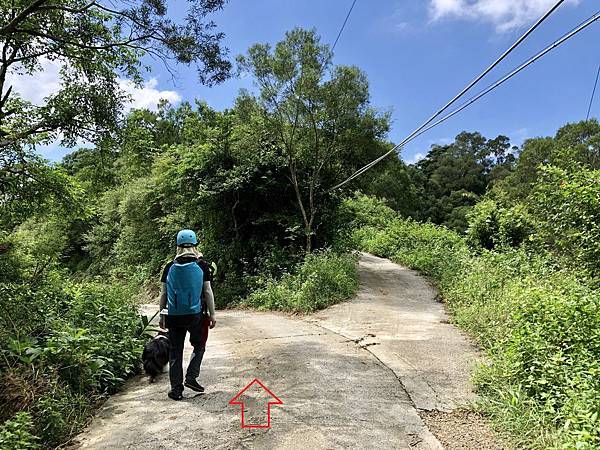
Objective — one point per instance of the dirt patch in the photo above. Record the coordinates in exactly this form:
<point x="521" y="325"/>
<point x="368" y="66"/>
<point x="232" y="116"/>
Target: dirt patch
<point x="462" y="429"/>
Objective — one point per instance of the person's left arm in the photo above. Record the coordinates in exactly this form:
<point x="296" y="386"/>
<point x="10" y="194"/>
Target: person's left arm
<point x="209" y="298"/>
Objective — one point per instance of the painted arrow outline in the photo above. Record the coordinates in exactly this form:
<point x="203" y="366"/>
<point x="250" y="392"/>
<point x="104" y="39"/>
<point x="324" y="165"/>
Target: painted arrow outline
<point x="235" y="401"/>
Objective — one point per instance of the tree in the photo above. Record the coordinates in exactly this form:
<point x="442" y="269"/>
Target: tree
<point x="453" y="177"/>
<point x="318" y="114"/>
<point x="393" y="182"/>
<point x="95" y="43"/>
<point x="575" y="146"/>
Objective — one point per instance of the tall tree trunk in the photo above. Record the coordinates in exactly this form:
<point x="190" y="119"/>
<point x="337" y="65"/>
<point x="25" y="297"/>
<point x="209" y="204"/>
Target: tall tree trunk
<point x="305" y="219"/>
<point x="308" y="239"/>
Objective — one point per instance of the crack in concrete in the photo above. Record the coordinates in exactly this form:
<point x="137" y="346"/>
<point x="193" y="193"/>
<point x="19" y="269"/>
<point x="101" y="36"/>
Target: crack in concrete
<point x="349" y="339"/>
<point x="241" y="341"/>
<point x="359" y="343"/>
<point x="435" y="392"/>
<point x="396" y="376"/>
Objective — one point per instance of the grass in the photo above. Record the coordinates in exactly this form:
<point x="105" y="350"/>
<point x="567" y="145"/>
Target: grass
<point x="539" y="324"/>
<point x="321" y="280"/>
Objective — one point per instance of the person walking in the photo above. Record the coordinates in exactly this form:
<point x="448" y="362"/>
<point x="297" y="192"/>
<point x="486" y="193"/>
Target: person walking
<point x="187" y="296"/>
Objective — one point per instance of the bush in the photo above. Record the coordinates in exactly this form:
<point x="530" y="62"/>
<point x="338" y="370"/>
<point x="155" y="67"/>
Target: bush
<point x="418" y="246"/>
<point x="539" y="323"/>
<point x="321" y="280"/>
<point x="16" y="434"/>
<point x="560" y="217"/>
<point x="64" y="347"/>
<point x="544" y="343"/>
<point x="493" y="227"/>
<point x="566" y="206"/>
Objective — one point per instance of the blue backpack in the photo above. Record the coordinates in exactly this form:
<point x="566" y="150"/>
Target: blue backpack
<point x="184" y="288"/>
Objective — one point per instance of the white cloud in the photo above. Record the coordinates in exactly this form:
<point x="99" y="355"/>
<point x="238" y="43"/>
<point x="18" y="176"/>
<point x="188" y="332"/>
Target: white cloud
<point x="504" y="14"/>
<point x="148" y="95"/>
<point x="36" y="87"/>
<point x="414" y="158"/>
<point x="442" y="8"/>
<point x="518" y="136"/>
<point x="441" y="141"/>
<point x="40" y="85"/>
<point x="400" y="21"/>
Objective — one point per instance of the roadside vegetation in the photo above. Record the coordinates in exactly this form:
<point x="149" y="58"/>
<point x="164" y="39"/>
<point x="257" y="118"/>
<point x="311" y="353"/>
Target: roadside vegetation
<point x="524" y="282"/>
<point x="65" y="346"/>
<point x="510" y="235"/>
<point x="82" y="240"/>
<point x="321" y="280"/>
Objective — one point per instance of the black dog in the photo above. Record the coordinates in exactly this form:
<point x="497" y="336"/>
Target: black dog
<point x="156" y="355"/>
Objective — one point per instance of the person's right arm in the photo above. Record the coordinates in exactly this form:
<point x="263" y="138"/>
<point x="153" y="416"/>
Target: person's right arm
<point x="162" y="304"/>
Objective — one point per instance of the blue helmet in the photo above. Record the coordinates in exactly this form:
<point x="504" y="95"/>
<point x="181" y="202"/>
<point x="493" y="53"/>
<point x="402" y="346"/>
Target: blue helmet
<point x="186" y="238"/>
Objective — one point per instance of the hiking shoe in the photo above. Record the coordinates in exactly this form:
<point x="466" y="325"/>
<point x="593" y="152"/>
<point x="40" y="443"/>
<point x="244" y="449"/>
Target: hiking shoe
<point x="194" y="386"/>
<point x="175" y="395"/>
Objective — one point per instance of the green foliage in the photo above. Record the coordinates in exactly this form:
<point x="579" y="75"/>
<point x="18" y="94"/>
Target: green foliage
<point x="452" y="178"/>
<point x="94" y="47"/>
<point x="59" y="412"/>
<point x="364" y="210"/>
<point x="539" y="323"/>
<point x="575" y="146"/>
<point x="227" y="175"/>
<point x="78" y="239"/>
<point x="317" y="115"/>
<point x="16" y="434"/>
<point x="35" y="186"/>
<point x="565" y="205"/>
<point x="492" y="227"/>
<point x="64" y="345"/>
<point x="550" y="204"/>
<point x="380" y="231"/>
<point x="394" y="184"/>
<point x="541" y="331"/>
<point x="321" y="280"/>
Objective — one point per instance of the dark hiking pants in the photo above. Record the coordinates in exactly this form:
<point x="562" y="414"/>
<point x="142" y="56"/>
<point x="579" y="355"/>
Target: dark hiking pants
<point x="197" y="326"/>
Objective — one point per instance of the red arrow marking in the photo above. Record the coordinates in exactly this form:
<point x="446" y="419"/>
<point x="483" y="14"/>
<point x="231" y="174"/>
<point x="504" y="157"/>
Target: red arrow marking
<point x="236" y="401"/>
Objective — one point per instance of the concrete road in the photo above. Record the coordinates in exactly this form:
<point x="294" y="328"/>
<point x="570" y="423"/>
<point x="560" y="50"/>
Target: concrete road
<point x="352" y="376"/>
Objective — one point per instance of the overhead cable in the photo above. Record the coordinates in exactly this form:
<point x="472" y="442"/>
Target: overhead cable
<point x="593" y="93"/>
<point x="512" y="73"/>
<point x="490" y="88"/>
<point x="343" y="26"/>
<point x="457" y="96"/>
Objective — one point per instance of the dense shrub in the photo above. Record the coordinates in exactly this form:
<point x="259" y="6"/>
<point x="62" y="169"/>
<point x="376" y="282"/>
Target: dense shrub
<point x="539" y="323"/>
<point x="378" y="230"/>
<point x="560" y="218"/>
<point x="321" y="280"/>
<point x="16" y="433"/>
<point x="546" y="362"/>
<point x="566" y="208"/>
<point x="64" y="347"/>
<point x="492" y="227"/>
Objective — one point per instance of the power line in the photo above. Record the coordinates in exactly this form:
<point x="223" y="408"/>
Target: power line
<point x="343" y="26"/>
<point x="514" y="72"/>
<point x="593" y="93"/>
<point x="456" y="97"/>
<point x="490" y="88"/>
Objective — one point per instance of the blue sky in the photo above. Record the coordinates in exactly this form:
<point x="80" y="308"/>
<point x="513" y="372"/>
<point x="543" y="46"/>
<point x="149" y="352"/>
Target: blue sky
<point x="418" y="54"/>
